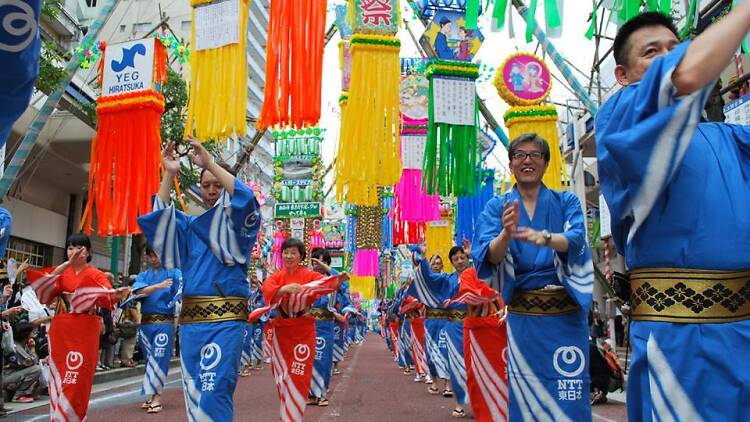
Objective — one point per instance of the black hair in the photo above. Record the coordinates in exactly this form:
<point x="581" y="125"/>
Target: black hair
<point x="454" y="251"/>
<point x="321" y="254"/>
<point x="80" y="239"/>
<point x="150" y="251"/>
<point x="294" y="243"/>
<point x="22" y="331"/>
<point x="225" y="166"/>
<point x="532" y="138"/>
<point x="444" y="22"/>
<point x="621" y="47"/>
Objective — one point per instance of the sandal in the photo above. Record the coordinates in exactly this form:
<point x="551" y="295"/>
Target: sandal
<point x="154" y="408"/>
<point x="432" y="390"/>
<point x="447" y="393"/>
<point x="458" y="413"/>
<point x="323" y="402"/>
<point x="146" y="405"/>
<point x="245" y="372"/>
<point x="312" y="401"/>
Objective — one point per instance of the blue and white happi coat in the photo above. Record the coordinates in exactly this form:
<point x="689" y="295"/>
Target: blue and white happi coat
<point x="548" y="371"/>
<point x="323" y="364"/>
<point x="433" y="289"/>
<point x="678" y="191"/>
<point x="157" y="339"/>
<point x="211" y="250"/>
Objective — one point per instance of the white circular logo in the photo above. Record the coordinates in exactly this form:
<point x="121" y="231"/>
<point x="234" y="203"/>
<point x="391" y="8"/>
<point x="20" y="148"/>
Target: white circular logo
<point x="301" y="352"/>
<point x="336" y="330"/>
<point x="210" y="356"/>
<point x="251" y="219"/>
<point x="570" y="356"/>
<point x="18" y="24"/>
<point x="74" y="360"/>
<point x="161" y="340"/>
<point x="320" y="343"/>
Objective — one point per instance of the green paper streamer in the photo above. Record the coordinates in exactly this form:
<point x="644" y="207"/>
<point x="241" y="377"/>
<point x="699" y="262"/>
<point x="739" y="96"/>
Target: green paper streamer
<point x="592" y="27"/>
<point x="498" y="14"/>
<point x="690" y="19"/>
<point x="551" y="14"/>
<point x="652" y="5"/>
<point x="746" y="40"/>
<point x="530" y="14"/>
<point x="472" y="13"/>
<point x="665" y="6"/>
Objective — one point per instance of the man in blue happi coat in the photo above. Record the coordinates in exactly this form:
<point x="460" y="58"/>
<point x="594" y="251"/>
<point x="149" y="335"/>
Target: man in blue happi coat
<point x="159" y="291"/>
<point x="324" y="314"/>
<point x="533" y="241"/>
<point x="678" y="190"/>
<point x="444" y="339"/>
<point x="211" y="250"/>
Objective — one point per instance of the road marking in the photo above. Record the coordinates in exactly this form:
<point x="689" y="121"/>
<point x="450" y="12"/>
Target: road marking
<point x="335" y="411"/>
<point x="602" y="418"/>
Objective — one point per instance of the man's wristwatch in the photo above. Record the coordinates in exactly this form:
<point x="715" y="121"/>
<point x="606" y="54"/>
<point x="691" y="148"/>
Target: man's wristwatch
<point x="547" y="237"/>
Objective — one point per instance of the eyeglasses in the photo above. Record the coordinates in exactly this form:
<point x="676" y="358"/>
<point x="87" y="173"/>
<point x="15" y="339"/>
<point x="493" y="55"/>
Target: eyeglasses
<point x="520" y="156"/>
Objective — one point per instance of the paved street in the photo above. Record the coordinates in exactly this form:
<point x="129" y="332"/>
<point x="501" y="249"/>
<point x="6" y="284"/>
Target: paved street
<point x="370" y="388"/>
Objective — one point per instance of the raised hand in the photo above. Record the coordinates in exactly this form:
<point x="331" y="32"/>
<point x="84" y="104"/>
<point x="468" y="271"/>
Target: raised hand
<point x="166" y="284"/>
<point x="170" y="160"/>
<point x="511" y="216"/>
<point x="199" y="155"/>
<point x="467" y="246"/>
<point x="529" y="235"/>
<point x="291" y="288"/>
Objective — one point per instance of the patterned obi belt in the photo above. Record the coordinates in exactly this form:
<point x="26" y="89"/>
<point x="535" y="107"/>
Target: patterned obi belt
<point x="321" y="313"/>
<point x="446" y="314"/>
<point x="197" y="309"/>
<point x="157" y="319"/>
<point x="542" y="303"/>
<point x="690" y="296"/>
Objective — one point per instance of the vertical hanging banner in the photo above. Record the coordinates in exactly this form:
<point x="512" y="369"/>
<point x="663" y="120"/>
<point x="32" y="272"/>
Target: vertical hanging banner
<point x="218" y="64"/>
<point x="524" y="82"/>
<point x="368" y="154"/>
<point x="128" y="126"/>
<point x="451" y="153"/>
<point x="294" y="63"/>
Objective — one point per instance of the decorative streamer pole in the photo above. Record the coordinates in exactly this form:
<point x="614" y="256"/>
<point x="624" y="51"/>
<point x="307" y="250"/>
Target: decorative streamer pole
<point x="217" y="107"/>
<point x="470" y="207"/>
<point x="450" y="158"/>
<point x="32" y="134"/>
<point x="294" y="63"/>
<point x="523" y="81"/>
<point x="128" y="125"/>
<point x="368" y="154"/>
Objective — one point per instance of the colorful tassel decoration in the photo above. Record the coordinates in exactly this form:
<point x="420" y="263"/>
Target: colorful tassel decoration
<point x="368" y="241"/>
<point x="470" y="207"/>
<point x="294" y="63"/>
<point x="407" y="233"/>
<point x="439" y="237"/>
<point x="217" y="107"/>
<point x="450" y="158"/>
<point x="365" y="286"/>
<point x="128" y="126"/>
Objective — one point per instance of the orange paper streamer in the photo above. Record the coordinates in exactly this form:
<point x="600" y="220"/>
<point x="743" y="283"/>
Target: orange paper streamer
<point x="124" y="172"/>
<point x="294" y="63"/>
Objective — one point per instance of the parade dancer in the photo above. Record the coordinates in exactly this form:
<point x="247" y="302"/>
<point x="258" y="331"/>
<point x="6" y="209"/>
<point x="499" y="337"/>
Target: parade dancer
<point x="677" y="189"/>
<point x="211" y="250"/>
<point x="292" y="291"/>
<point x="324" y="324"/>
<point x="341" y="301"/>
<point x="255" y="329"/>
<point x="485" y="348"/>
<point x="414" y="310"/>
<point x="433" y="289"/>
<point x="73" y="337"/>
<point x="535" y="239"/>
<point x="159" y="290"/>
<point x="246" y="358"/>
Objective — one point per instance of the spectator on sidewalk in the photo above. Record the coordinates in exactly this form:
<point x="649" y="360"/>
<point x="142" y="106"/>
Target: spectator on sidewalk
<point x="21" y="376"/>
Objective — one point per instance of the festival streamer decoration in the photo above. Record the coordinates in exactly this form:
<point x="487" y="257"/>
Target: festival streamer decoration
<point x="470" y="207"/>
<point x="439" y="237"/>
<point x="552" y="16"/>
<point x="523" y="81"/>
<point x="451" y="155"/>
<point x="128" y="125"/>
<point x="294" y="63"/>
<point x="387" y="224"/>
<point x="217" y="104"/>
<point x="368" y="154"/>
<point x="368" y="238"/>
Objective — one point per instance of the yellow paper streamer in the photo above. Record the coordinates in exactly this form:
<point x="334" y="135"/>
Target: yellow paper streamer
<point x="368" y="154"/>
<point x="364" y="285"/>
<point x="218" y="89"/>
<point x="439" y="237"/>
<point x="546" y="127"/>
